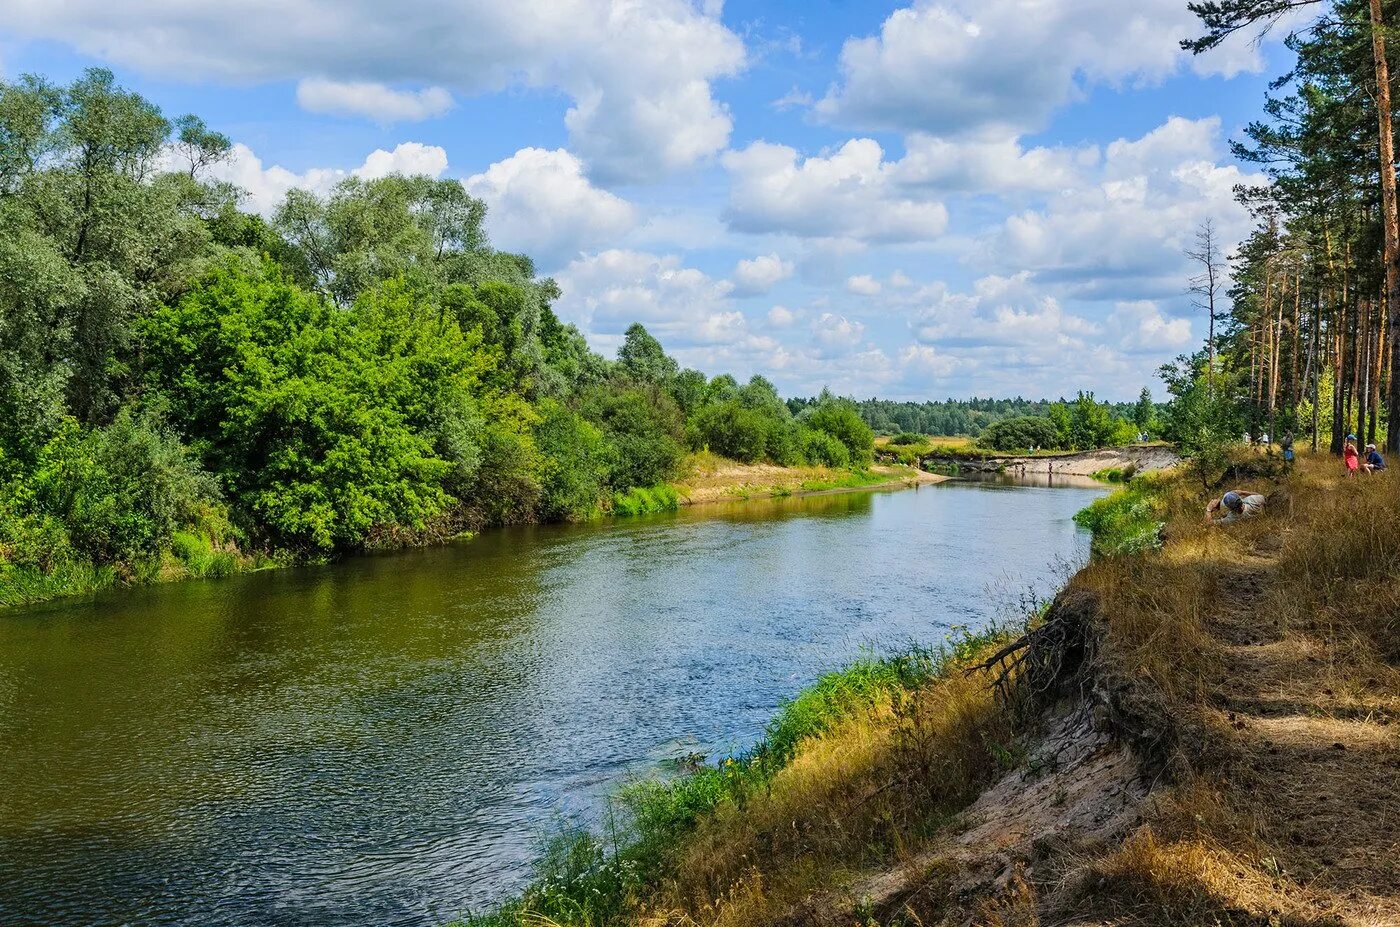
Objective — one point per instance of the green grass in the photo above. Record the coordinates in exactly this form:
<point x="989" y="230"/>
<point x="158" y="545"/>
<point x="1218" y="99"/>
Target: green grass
<point x="854" y="479"/>
<point x="25" y="586"/>
<point x="201" y="557"/>
<point x="594" y="878"/>
<point x="1115" y="474"/>
<point x="1128" y="521"/>
<point x="641" y="500"/>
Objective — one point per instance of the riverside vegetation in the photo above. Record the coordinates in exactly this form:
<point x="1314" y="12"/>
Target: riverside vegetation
<point x="1198" y="730"/>
<point x="187" y="389"/>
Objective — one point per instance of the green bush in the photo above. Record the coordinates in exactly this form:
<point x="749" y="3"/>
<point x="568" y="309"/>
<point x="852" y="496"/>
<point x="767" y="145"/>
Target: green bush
<point x="905" y="438"/>
<point x="121" y="491"/>
<point x="1019" y="433"/>
<point x="1128" y="521"/>
<point x="840" y="419"/>
<point x="822" y="449"/>
<point x="644" y="428"/>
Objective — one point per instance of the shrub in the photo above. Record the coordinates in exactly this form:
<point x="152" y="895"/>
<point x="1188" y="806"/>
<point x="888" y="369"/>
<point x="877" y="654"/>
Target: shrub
<point x="1024" y="431"/>
<point x="906" y="438"/>
<point x="840" y="419"/>
<point x="822" y="449"/>
<point x="121" y="491"/>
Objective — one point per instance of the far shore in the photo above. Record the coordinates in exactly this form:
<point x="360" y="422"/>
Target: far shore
<point x="717" y="480"/>
<point x="1140" y="457"/>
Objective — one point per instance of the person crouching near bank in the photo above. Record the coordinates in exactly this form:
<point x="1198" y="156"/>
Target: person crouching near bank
<point x="1235" y="505"/>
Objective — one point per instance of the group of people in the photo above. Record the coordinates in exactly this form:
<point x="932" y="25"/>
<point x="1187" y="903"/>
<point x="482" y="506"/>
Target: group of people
<point x="1237" y="503"/>
<point x="1371" y="463"/>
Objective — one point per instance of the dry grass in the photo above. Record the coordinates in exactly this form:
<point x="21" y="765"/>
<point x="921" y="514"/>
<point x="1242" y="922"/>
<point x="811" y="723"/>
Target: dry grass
<point x="1261" y="659"/>
<point x="868" y="792"/>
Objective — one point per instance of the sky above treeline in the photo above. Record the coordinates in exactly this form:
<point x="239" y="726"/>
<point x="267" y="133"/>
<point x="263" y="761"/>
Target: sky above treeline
<point x="950" y="198"/>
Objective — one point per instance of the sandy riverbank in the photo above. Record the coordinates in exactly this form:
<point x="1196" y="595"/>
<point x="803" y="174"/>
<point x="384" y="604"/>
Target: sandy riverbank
<point x="1141" y="457"/>
<point x="714" y="479"/>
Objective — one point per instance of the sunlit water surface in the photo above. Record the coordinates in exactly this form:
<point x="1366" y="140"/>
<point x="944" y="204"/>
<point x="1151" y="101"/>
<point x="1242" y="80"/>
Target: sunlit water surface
<point x="384" y="740"/>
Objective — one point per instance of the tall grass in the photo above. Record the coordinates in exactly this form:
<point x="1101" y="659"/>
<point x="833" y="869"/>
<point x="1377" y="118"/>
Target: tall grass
<point x="689" y="841"/>
<point x="641" y="500"/>
<point x="1128" y="521"/>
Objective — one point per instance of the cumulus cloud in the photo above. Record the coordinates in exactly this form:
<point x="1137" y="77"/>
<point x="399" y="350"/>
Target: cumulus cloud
<point x="639" y="74"/>
<point x="781" y="316"/>
<point x="1121" y="234"/>
<point x="606" y="292"/>
<point x="836" y="335"/>
<point x="850" y="194"/>
<point x="267" y="185"/>
<point x="1139" y="326"/>
<point x="990" y="165"/>
<point x="756" y="276"/>
<point x="863" y="285"/>
<point x="541" y="203"/>
<point x="955" y="67"/>
<point x="373" y="100"/>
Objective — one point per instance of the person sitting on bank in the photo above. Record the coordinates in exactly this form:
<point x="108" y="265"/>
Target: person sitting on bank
<point x="1236" y="504"/>
<point x="1350" y="457"/>
<point x="1374" y="462"/>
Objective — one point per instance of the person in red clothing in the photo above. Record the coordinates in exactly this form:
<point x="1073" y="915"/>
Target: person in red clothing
<point x="1353" y="460"/>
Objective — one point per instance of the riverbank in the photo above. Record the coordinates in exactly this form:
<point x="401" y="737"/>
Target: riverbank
<point x="707" y="478"/>
<point x="1130" y="459"/>
<point x="710" y="478"/>
<point x="1197" y="730"/>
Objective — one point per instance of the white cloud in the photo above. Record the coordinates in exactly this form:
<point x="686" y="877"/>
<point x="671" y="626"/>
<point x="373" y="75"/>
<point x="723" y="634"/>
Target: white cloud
<point x="1121" y="235"/>
<point x="1138" y="326"/>
<point x="639" y="74"/>
<point x="684" y="307"/>
<point x="373" y="100"/>
<point x="781" y="316"/>
<point x="540" y="202"/>
<point x="756" y="276"/>
<point x="850" y="194"/>
<point x="268" y="185"/>
<point x="863" y="285"/>
<point x="990" y="165"/>
<point x="955" y="67"/>
<point x="836" y="335"/>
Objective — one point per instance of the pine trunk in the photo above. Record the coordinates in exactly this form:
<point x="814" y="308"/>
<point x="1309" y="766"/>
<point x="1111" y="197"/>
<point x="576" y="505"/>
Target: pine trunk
<point x="1388" y="206"/>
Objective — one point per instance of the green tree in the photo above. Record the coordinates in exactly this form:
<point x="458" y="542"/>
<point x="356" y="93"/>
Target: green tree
<point x="643" y="359"/>
<point x="1145" y="412"/>
<point x="321" y="423"/>
<point x="840" y="419"/>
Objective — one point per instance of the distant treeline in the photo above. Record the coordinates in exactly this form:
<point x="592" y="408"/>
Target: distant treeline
<point x="957" y="416"/>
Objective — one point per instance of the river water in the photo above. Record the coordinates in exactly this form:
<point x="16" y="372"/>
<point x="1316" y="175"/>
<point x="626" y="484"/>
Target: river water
<point x="383" y="741"/>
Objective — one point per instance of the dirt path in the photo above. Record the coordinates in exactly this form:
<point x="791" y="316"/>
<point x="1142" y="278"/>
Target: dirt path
<point x="1313" y="728"/>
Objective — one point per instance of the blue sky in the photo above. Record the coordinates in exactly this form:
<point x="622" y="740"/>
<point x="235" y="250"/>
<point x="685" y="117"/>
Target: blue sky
<point x="943" y="198"/>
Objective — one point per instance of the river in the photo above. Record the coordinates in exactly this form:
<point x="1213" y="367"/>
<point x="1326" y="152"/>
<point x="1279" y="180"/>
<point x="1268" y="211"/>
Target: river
<point x="384" y="740"/>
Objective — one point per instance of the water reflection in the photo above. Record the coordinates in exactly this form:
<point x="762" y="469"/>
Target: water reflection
<point x="380" y="741"/>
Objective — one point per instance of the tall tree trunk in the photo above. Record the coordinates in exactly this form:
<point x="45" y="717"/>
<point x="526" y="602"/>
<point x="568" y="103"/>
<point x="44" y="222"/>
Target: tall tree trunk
<point x="1388" y="206"/>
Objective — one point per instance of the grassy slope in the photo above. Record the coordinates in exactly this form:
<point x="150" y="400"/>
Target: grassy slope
<point x="1254" y="670"/>
<point x="710" y="478"/>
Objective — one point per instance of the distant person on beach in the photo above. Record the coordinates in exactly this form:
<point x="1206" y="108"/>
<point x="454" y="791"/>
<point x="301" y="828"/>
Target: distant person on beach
<point x="1236" y="504"/>
<point x="1374" y="462"/>
<point x="1349" y="455"/>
